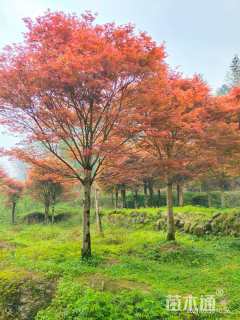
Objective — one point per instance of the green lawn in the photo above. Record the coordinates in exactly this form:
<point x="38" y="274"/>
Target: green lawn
<point x="131" y="273"/>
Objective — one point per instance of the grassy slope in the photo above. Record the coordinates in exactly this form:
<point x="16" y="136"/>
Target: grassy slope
<point x="137" y="259"/>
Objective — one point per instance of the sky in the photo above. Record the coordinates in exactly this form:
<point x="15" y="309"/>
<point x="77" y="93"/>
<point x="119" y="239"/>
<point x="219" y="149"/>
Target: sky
<point x="200" y="36"/>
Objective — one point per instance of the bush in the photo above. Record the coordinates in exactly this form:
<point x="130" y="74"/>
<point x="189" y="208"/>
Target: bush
<point x="75" y="302"/>
<point x="232" y="199"/>
<point x="200" y="200"/>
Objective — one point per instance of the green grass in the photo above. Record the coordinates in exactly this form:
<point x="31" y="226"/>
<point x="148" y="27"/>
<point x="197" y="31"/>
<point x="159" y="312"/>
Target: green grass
<point x="130" y="274"/>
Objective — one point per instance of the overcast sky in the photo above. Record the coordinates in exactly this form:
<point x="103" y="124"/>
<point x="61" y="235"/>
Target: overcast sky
<point x="201" y="36"/>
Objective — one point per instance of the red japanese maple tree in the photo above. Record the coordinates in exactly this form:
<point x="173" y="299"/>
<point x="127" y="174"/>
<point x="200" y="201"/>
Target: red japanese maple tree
<point x="172" y="128"/>
<point x="222" y="139"/>
<point x="45" y="186"/>
<point x="13" y="190"/>
<point x="65" y="86"/>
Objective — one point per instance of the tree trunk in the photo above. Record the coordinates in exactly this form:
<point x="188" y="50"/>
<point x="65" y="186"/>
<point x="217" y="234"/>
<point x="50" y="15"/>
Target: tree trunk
<point x="180" y="195"/>
<point x="86" y="240"/>
<point x="170" y="222"/>
<point x="209" y="200"/>
<point x="53" y="213"/>
<point x="135" y="198"/>
<point x="97" y="212"/>
<point x="13" y="212"/>
<point x="151" y="192"/>
<point x="145" y="193"/>
<point x="46" y="213"/>
<point x="123" y="196"/>
<point x="222" y="199"/>
<point x="116" y="197"/>
<point x="159" y="198"/>
<point x="112" y="197"/>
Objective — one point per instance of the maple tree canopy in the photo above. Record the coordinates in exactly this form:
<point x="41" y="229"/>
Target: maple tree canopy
<point x="66" y="84"/>
<point x="171" y="122"/>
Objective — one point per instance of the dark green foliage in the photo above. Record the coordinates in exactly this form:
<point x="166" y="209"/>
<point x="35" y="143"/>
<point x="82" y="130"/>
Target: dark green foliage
<point x="199" y="199"/>
<point x="232" y="199"/>
<point x="157" y="202"/>
<point x="75" y="302"/>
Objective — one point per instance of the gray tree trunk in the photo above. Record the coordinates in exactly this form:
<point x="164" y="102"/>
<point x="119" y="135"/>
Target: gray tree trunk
<point x="123" y="196"/>
<point x="135" y="198"/>
<point x="180" y="195"/>
<point x="97" y="212"/>
<point x="116" y="197"/>
<point x="13" y="212"/>
<point x="209" y="200"/>
<point x="151" y="192"/>
<point x="112" y="198"/>
<point x="53" y="213"/>
<point x="159" y="197"/>
<point x="222" y="199"/>
<point x="145" y="193"/>
<point x="170" y="220"/>
<point x="86" y="237"/>
<point x="46" y="212"/>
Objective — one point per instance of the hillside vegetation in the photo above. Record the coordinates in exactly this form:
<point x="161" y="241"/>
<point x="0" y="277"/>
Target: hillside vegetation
<point x="132" y="268"/>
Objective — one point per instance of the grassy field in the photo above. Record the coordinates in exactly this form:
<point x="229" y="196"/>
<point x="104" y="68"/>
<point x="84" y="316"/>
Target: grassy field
<point x="132" y="272"/>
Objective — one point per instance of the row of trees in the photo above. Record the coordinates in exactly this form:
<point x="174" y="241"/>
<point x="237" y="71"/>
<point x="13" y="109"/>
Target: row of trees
<point x="42" y="186"/>
<point x="101" y="100"/>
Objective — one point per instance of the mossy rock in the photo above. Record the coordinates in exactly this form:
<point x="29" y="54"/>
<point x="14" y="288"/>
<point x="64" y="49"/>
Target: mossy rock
<point x="127" y="220"/>
<point x="187" y="227"/>
<point x="179" y="223"/>
<point x="23" y="294"/>
<point x="116" y="218"/>
<point x="208" y="227"/>
<point x="160" y="224"/>
<point x="199" y="230"/>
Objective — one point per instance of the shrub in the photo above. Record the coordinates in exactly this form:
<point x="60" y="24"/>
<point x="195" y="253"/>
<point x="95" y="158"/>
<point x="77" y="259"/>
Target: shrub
<point x="74" y="302"/>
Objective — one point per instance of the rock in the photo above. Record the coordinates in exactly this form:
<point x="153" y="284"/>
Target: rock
<point x="216" y="215"/>
<point x="208" y="227"/>
<point x="199" y="230"/>
<point x="21" y="298"/>
<point x="160" y="224"/>
<point x="179" y="223"/>
<point x="192" y="227"/>
<point x="195" y="223"/>
<point x="187" y="226"/>
<point x="133" y="218"/>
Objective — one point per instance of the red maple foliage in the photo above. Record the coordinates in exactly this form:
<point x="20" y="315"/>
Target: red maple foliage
<point x="45" y="186"/>
<point x="65" y="86"/>
<point x="172" y="128"/>
<point x="222" y="139"/>
<point x="13" y="190"/>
